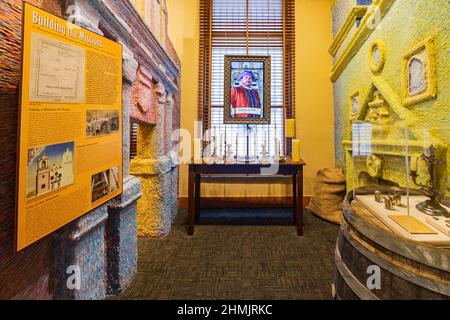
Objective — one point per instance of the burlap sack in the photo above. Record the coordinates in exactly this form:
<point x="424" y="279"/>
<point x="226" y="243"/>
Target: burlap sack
<point x="328" y="195"/>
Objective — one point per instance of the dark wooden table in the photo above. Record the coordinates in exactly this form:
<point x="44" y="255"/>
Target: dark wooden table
<point x="288" y="168"/>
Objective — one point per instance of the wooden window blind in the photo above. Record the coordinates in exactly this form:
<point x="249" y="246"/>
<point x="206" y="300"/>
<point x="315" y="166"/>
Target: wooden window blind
<point x="254" y="27"/>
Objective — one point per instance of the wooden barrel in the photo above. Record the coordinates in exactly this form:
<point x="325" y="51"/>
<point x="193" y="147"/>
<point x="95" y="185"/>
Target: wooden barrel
<point x="407" y="269"/>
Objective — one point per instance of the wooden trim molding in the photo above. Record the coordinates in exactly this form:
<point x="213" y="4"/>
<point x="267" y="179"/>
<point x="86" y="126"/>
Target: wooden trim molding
<point x="349" y="22"/>
<point x="205" y="18"/>
<point x="379" y="8"/>
<point x="289" y="104"/>
<point x="243" y="202"/>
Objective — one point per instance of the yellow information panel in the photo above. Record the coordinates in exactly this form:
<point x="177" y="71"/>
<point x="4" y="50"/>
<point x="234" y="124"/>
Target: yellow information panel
<point x="70" y="152"/>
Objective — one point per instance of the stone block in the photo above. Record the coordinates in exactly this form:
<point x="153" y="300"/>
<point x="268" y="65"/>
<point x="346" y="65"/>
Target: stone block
<point x="81" y="245"/>
<point x="122" y="238"/>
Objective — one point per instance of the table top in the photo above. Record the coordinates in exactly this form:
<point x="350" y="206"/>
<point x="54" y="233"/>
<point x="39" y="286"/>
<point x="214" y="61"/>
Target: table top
<point x="285" y="163"/>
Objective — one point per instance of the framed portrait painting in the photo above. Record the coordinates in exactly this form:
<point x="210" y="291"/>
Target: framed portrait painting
<point x="247" y="90"/>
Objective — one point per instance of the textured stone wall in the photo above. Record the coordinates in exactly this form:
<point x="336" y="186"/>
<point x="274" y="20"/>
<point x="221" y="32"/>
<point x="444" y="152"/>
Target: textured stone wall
<point x="155" y="107"/>
<point x="158" y="206"/>
<point x="82" y="244"/>
<point x="122" y="239"/>
<point x="404" y="25"/>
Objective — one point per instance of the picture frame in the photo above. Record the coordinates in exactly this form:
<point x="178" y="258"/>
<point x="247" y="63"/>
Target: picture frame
<point x="419" y="81"/>
<point x="247" y="92"/>
<point x="355" y="104"/>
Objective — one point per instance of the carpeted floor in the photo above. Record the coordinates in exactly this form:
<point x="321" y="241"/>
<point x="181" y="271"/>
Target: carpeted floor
<point x="262" y="262"/>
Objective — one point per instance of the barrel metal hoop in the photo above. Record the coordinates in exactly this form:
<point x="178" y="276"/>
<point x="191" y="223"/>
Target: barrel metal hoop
<point x="432" y="257"/>
<point x="362" y="292"/>
<point x="409" y="276"/>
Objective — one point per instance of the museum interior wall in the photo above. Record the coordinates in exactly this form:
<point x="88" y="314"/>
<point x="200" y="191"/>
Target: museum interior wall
<point x="314" y="109"/>
<point x="356" y="68"/>
<point x="102" y="243"/>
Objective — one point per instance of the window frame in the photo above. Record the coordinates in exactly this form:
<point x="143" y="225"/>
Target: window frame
<point x="205" y="105"/>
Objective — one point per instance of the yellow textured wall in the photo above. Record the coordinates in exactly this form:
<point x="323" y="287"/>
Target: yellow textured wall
<point x="183" y="29"/>
<point x="314" y="98"/>
<point x="404" y="26"/>
<point x="314" y="110"/>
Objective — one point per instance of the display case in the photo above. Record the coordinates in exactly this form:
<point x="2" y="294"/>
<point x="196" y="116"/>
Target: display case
<point x="399" y="173"/>
<point x="396" y="220"/>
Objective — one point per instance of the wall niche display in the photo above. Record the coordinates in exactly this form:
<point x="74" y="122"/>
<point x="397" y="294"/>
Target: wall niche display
<point x="377" y="56"/>
<point x="417" y="76"/>
<point x="419" y="73"/>
<point x="355" y="104"/>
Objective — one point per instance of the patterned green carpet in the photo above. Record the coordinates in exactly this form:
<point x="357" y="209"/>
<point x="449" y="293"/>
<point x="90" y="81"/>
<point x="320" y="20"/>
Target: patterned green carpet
<point x="261" y="262"/>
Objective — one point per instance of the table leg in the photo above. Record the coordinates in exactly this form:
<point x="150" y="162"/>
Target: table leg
<point x="300" y="202"/>
<point x="197" y="196"/>
<point x="294" y="196"/>
<point x="191" y="199"/>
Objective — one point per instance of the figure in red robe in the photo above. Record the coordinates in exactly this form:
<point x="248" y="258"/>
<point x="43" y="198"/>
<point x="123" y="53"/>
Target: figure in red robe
<point x="245" y="96"/>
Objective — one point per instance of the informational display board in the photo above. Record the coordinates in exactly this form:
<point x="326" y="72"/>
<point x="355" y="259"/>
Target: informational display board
<point x="70" y="139"/>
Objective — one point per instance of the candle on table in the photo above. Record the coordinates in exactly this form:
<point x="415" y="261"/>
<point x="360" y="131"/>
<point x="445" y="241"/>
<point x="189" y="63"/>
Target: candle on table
<point x="198" y="134"/>
<point x="290" y="128"/>
<point x="209" y="142"/>
<point x="215" y="141"/>
<point x="237" y="145"/>
<point x="276" y="141"/>
<point x="265" y="138"/>
<point x="226" y="142"/>
<point x="197" y="150"/>
<point x="221" y="146"/>
<point x="296" y="150"/>
<point x="254" y="145"/>
<point x="279" y="149"/>
<point x="275" y="145"/>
